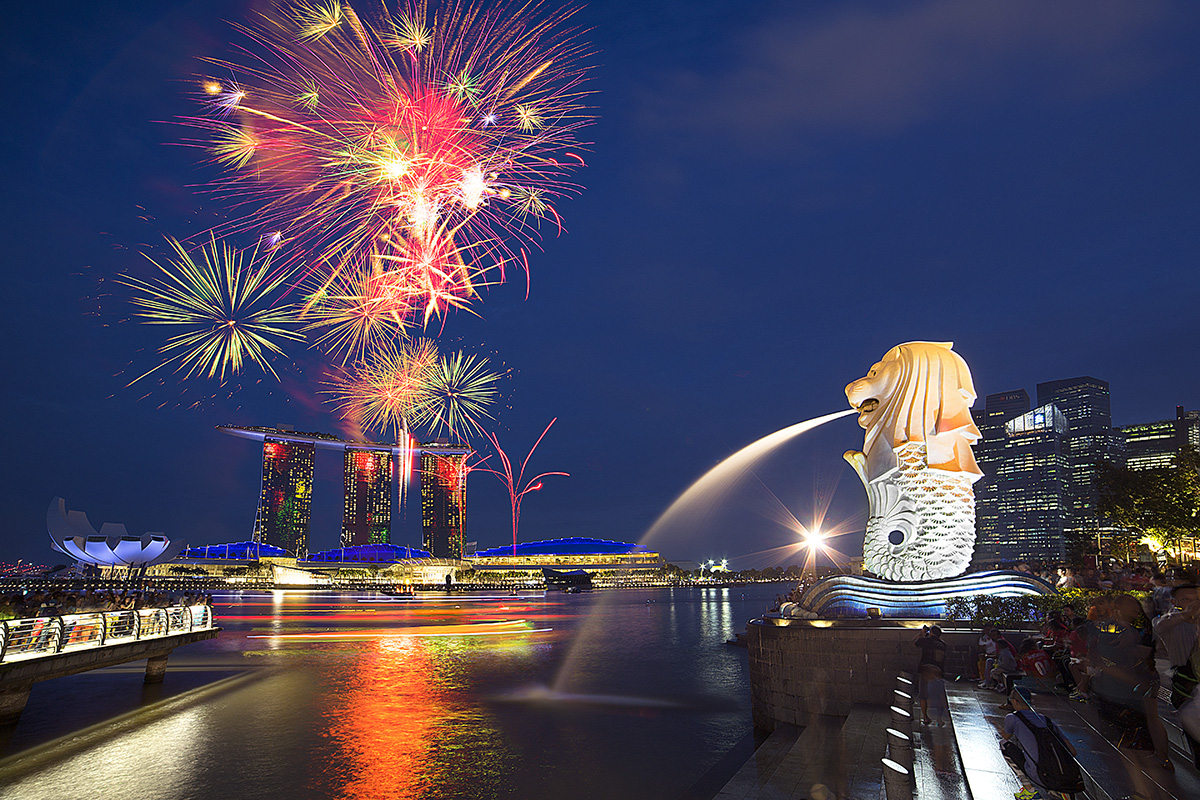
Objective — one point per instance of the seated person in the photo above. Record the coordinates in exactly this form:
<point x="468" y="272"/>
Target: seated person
<point x="1035" y="662"/>
<point x="1007" y="670"/>
<point x="987" y="659"/>
<point x="1036" y="745"/>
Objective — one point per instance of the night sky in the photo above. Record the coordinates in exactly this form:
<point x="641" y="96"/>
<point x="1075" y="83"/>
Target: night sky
<point x="776" y="194"/>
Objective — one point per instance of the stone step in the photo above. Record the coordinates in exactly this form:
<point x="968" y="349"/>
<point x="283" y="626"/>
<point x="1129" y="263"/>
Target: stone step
<point x="974" y="715"/>
<point x="759" y="768"/>
<point x="839" y="753"/>
<point x="864" y="743"/>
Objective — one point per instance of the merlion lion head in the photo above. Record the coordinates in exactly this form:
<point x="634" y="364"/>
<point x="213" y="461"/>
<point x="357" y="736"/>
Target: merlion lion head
<point x="919" y="392"/>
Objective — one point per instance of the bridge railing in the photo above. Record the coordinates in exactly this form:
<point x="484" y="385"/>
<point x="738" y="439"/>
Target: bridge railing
<point x="43" y="636"/>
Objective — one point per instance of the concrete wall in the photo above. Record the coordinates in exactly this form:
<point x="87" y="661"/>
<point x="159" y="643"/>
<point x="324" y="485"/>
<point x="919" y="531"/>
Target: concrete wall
<point x="804" y="667"/>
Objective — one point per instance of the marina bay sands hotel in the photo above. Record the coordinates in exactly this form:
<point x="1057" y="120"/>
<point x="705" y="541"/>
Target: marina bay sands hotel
<point x="285" y="499"/>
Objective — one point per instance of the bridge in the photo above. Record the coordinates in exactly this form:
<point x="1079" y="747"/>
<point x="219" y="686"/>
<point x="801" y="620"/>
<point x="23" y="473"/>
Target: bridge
<point x="41" y="648"/>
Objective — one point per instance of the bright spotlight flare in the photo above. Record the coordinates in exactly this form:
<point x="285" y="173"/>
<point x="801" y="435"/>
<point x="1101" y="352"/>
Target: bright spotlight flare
<point x="814" y="539"/>
<point x="403" y="154"/>
<point x="225" y="303"/>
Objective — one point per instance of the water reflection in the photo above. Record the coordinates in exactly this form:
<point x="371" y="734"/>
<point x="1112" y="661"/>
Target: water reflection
<point x="382" y="721"/>
<point x="355" y="697"/>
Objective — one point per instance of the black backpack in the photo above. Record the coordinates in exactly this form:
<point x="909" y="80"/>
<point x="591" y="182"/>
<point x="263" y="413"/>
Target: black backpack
<point x="1056" y="766"/>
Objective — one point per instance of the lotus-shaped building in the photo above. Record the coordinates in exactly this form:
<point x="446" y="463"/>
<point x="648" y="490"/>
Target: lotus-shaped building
<point x="113" y="546"/>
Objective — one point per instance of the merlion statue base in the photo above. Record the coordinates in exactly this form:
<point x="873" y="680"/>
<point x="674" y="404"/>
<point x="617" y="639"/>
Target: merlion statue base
<point x="856" y="596"/>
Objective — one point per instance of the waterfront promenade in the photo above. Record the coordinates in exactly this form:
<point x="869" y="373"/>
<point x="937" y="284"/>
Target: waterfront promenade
<point x="839" y="757"/>
<point x="38" y="649"/>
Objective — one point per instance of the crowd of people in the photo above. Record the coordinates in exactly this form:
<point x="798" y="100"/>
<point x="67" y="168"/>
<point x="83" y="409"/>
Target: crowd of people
<point x="1122" y="578"/>
<point x="1122" y="655"/>
<point x="25" y="604"/>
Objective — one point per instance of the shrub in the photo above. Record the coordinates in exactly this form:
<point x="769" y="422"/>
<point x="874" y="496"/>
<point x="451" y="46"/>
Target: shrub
<point x="1024" y="611"/>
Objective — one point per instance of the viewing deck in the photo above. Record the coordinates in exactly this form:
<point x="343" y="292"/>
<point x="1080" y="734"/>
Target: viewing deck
<point x="41" y="648"/>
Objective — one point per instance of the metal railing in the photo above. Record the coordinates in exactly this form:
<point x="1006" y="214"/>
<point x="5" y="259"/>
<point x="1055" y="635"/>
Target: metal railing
<point x="36" y="637"/>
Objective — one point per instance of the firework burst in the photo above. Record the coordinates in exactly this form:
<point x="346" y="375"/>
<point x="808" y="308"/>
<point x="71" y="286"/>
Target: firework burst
<point x="460" y="390"/>
<point x="225" y="305"/>
<point x="353" y="311"/>
<point x="388" y="388"/>
<point x="407" y="384"/>
<point x="430" y="140"/>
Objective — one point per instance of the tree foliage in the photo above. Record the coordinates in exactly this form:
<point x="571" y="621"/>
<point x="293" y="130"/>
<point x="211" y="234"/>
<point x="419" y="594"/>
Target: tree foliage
<point x="1161" y="504"/>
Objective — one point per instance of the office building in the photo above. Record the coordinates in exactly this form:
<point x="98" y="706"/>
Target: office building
<point x="989" y="452"/>
<point x="1154" y="445"/>
<point x="1091" y="441"/>
<point x="1022" y="501"/>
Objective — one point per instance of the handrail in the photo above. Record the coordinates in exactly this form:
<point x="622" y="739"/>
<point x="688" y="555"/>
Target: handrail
<point x="37" y="637"/>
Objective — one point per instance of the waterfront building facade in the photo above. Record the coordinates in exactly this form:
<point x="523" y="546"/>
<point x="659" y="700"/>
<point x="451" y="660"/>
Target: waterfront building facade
<point x="620" y="560"/>
<point x="370" y="472"/>
<point x="285" y="496"/>
<point x="443" y="498"/>
<point x="368" y="477"/>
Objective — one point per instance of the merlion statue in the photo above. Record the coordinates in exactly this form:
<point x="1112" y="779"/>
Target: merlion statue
<point x="917" y="464"/>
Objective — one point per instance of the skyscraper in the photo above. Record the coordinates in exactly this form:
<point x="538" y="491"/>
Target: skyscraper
<point x="284" y="505"/>
<point x="1091" y="440"/>
<point x="1153" y="445"/>
<point x="1187" y="428"/>
<point x="989" y="452"/>
<point x="1021" y="502"/>
<point x="367" y="481"/>
<point x="443" y="498"/>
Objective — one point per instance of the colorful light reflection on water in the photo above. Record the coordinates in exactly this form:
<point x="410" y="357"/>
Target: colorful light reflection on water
<point x="364" y="696"/>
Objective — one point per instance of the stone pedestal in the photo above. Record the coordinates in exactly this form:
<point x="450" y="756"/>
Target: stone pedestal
<point x="804" y="667"/>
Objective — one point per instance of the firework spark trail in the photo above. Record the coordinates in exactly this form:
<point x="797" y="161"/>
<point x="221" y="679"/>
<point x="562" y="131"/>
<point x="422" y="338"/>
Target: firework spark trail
<point x="224" y="304"/>
<point x="435" y="140"/>
<point x="514" y="482"/>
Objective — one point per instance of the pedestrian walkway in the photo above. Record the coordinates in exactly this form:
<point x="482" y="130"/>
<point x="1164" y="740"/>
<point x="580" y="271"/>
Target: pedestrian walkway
<point x="1109" y="773"/>
<point x="938" y="764"/>
<point x="836" y="758"/>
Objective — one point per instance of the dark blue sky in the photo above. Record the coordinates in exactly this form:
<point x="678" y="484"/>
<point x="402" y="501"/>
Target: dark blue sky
<point x="775" y="196"/>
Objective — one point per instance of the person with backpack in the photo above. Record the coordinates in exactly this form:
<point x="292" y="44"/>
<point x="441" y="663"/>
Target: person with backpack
<point x="1179" y="632"/>
<point x="1036" y="745"/>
